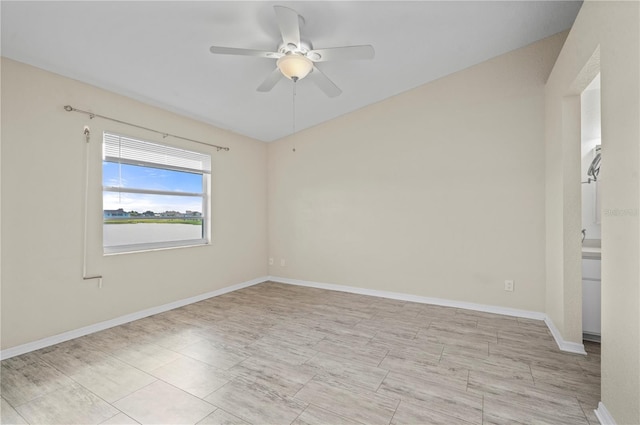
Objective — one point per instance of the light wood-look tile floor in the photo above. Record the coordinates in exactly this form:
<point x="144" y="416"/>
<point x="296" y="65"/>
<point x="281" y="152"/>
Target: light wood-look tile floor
<point x="281" y="354"/>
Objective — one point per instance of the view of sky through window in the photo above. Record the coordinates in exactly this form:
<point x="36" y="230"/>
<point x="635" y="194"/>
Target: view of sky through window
<point x="137" y="177"/>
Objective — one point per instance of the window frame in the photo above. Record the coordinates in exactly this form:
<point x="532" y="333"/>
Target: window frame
<point x="205" y="196"/>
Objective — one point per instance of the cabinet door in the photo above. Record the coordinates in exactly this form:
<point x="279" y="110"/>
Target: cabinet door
<point x="591" y="306"/>
<point x="590" y="269"/>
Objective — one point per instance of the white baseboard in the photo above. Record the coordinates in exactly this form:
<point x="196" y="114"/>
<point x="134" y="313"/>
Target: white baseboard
<point x="76" y="333"/>
<point x="603" y="415"/>
<point x="571" y="347"/>
<point x="563" y="345"/>
<point x="415" y="298"/>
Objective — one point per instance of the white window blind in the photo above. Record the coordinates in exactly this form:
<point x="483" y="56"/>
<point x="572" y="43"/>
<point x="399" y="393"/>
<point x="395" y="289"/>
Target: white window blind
<point x="117" y="148"/>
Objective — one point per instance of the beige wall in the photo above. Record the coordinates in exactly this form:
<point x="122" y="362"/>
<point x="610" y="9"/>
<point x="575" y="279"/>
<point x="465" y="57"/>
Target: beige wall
<point x="605" y="37"/>
<point x="43" y="293"/>
<point x="437" y="192"/>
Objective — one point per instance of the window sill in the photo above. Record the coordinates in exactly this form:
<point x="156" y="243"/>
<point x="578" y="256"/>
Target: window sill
<point x="135" y="249"/>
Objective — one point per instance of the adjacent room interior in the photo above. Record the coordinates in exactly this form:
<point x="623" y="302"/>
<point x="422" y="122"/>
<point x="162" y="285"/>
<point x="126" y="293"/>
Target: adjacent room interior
<point x="382" y="212"/>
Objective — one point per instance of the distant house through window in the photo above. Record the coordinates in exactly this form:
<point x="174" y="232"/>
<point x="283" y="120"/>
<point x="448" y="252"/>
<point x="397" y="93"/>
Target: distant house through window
<point x="153" y="196"/>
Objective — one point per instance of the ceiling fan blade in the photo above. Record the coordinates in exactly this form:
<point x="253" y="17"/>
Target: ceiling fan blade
<point x="244" y="52"/>
<point x="342" y="53"/>
<point x="271" y="80"/>
<point x="324" y="83"/>
<point x="289" y="24"/>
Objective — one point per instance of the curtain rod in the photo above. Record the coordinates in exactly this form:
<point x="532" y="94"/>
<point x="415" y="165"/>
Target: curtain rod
<point x="70" y="108"/>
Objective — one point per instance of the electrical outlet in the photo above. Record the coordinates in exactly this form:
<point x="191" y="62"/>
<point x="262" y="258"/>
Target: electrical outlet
<point x="271" y="261"/>
<point x="508" y="285"/>
<point x="282" y="262"/>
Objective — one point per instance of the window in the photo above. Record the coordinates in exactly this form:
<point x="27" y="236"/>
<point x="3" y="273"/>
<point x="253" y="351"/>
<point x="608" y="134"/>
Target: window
<point x="153" y="196"/>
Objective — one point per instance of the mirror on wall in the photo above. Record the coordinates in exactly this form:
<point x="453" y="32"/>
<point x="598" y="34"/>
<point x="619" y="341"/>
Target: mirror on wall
<point x="591" y="152"/>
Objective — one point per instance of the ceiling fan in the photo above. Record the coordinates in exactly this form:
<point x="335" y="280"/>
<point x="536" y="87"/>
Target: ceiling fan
<point x="296" y="58"/>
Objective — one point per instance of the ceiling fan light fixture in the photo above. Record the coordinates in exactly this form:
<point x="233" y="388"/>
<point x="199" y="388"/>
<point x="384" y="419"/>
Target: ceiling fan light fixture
<point x="295" y="67"/>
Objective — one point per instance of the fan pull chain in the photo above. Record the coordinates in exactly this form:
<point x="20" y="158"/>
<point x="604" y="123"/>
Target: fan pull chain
<point x="294" y="107"/>
<point x="293" y="110"/>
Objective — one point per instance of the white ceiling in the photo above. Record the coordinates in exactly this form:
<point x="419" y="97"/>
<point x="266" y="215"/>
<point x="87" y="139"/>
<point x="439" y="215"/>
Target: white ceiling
<point x="158" y="52"/>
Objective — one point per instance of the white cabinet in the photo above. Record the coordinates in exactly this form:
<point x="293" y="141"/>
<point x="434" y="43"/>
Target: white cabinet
<point x="591" y="269"/>
<point x="591" y="284"/>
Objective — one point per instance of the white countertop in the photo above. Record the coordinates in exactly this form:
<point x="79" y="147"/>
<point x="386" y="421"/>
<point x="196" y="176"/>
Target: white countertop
<point x="591" y="249"/>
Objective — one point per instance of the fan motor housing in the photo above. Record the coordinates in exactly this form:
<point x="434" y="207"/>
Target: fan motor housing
<point x="287" y="49"/>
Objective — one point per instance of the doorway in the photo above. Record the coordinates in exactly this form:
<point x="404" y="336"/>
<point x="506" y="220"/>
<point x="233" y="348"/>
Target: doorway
<point x="591" y="156"/>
